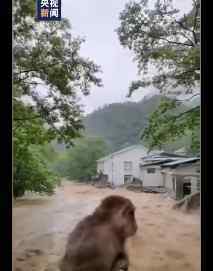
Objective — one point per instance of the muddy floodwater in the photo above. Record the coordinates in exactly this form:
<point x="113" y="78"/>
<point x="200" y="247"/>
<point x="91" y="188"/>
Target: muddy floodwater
<point x="167" y="239"/>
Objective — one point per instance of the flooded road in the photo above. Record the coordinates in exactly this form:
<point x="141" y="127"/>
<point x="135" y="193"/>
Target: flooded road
<point x="166" y="240"/>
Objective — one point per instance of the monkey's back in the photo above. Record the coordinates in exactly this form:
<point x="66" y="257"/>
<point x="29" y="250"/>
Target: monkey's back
<point x="89" y="247"/>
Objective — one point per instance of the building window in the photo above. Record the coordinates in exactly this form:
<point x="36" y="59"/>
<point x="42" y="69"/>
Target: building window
<point x="187" y="188"/>
<point x="128" y="165"/>
<point x="150" y="170"/>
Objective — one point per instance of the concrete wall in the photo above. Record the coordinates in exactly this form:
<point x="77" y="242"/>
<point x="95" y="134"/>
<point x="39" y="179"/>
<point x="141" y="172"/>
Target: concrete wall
<point x="151" y="179"/>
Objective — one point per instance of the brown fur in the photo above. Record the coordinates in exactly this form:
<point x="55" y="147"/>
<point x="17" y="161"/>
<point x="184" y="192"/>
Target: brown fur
<point x="97" y="243"/>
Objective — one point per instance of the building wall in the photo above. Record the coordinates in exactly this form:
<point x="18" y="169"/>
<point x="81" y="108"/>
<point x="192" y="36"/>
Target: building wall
<point x="106" y="167"/>
<point x="186" y="169"/>
<point x="194" y="184"/>
<point x="133" y="156"/>
<point x="168" y="182"/>
<point x="151" y="179"/>
<point x="100" y="167"/>
<point x="168" y="179"/>
<point x="114" y="165"/>
<point x="190" y="170"/>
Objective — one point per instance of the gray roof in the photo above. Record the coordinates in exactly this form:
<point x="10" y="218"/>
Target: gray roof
<point x="181" y="161"/>
<point x="120" y="151"/>
<point x="157" y="162"/>
<point x="162" y="154"/>
<point x="160" y="157"/>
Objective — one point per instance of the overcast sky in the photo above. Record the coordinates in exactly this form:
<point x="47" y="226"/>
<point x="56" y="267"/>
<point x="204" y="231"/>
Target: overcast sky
<point x="96" y="20"/>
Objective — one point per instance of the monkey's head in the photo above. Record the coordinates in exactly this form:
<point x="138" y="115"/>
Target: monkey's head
<point x="120" y="212"/>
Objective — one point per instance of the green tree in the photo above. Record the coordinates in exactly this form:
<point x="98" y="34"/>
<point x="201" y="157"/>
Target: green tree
<point x="162" y="39"/>
<point x="47" y="55"/>
<point x="49" y="72"/>
<point x="166" y="124"/>
<point x="79" y="162"/>
<point x="30" y="167"/>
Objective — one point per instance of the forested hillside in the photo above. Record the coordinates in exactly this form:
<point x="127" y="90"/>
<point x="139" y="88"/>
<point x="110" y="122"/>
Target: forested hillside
<point x="121" y="124"/>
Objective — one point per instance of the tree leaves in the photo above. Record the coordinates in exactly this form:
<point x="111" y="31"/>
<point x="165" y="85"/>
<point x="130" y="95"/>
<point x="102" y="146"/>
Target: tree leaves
<point x="158" y="37"/>
<point x="49" y="71"/>
<point x="80" y="161"/>
<point x="161" y="38"/>
<point x="166" y="125"/>
<point x="49" y="56"/>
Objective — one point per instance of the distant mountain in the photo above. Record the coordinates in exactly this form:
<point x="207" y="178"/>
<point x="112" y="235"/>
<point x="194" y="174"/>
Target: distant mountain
<point x="121" y="124"/>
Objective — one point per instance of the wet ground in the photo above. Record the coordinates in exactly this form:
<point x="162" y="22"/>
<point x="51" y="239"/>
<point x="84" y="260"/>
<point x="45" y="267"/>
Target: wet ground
<point x="167" y="239"/>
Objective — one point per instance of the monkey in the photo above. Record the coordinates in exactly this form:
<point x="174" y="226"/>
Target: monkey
<point x="121" y="262"/>
<point x="97" y="243"/>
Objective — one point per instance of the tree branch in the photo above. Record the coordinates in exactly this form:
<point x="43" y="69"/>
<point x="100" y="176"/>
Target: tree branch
<point x="186" y="37"/>
<point x="37" y="70"/>
<point x="188" y="99"/>
<point x="186" y="112"/>
<point x="195" y="21"/>
<point x="185" y="72"/>
<point x="177" y="43"/>
<point x="183" y="26"/>
<point x="26" y="119"/>
<point x="25" y="71"/>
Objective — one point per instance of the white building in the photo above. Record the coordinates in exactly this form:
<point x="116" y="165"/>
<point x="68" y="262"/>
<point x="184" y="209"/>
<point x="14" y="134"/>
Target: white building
<point x="177" y="173"/>
<point x="150" y="168"/>
<point x="182" y="177"/>
<point x="123" y="165"/>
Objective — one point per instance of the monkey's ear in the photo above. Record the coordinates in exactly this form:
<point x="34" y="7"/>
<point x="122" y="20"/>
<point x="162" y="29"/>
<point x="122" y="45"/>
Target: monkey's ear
<point x="101" y="212"/>
<point x="125" y="210"/>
